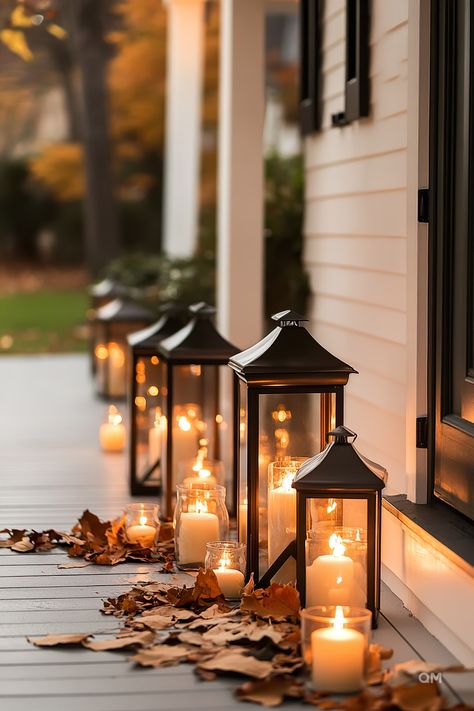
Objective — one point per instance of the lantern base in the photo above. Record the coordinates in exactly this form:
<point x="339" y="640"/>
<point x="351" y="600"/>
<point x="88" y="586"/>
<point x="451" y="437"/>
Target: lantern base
<point x="288" y="552"/>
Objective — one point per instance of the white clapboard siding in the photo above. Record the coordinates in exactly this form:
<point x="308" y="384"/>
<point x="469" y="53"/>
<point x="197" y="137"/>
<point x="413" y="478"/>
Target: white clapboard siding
<point x="356" y="231"/>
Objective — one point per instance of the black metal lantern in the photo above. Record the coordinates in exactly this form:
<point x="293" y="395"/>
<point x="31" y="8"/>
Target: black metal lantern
<point x="338" y="521"/>
<point x="100" y="294"/>
<point x="147" y="420"/>
<point x="115" y="321"/>
<point x="291" y="394"/>
<point x="198" y="403"/>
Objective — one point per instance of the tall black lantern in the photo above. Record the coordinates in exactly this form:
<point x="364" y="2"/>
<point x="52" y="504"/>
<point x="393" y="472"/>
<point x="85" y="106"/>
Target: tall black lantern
<point x="198" y="403"/>
<point x="291" y="394"/>
<point x="338" y="520"/>
<point x="114" y="322"/>
<point x="147" y="419"/>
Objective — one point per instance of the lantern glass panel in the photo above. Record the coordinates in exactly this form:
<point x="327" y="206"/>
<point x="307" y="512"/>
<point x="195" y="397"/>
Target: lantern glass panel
<point x="150" y="420"/>
<point x="201" y="431"/>
<point x="290" y="426"/>
<point x="336" y="551"/>
<point x="112" y="357"/>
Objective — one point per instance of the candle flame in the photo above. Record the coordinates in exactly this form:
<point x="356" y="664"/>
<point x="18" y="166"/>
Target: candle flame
<point x="142" y="520"/>
<point x="336" y="545"/>
<point x="101" y="351"/>
<point x="339" y="580"/>
<point x="358" y="535"/>
<point x="184" y="424"/>
<point x="224" y="561"/>
<point x="116" y="354"/>
<point x="201" y="506"/>
<point x="204" y="473"/>
<point x="332" y="505"/>
<point x="287" y="481"/>
<point x="339" y="618"/>
<point x="114" y="417"/>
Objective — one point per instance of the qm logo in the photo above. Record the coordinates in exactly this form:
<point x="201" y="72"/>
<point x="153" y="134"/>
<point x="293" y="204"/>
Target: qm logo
<point x="430" y="677"/>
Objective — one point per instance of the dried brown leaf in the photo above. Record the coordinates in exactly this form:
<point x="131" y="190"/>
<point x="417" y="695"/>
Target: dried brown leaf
<point x="418" y="697"/>
<point x="406" y="672"/>
<point x="161" y="655"/>
<point x="230" y="660"/>
<point x="155" y="622"/>
<point x="74" y="564"/>
<point x="277" y="601"/>
<point x="53" y="640"/>
<point x="270" y="692"/>
<point x="14" y="536"/>
<point x="23" y="546"/>
<point x="138" y="638"/>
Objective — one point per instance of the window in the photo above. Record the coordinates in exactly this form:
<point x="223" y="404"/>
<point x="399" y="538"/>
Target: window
<point x="451" y="317"/>
<point x="357" y="83"/>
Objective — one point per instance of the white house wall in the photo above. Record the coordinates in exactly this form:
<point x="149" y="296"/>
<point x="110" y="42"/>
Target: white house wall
<point x="356" y="233"/>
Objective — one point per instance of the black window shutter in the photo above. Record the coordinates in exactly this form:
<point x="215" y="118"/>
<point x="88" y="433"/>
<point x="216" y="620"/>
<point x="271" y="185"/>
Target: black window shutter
<point x="310" y="39"/>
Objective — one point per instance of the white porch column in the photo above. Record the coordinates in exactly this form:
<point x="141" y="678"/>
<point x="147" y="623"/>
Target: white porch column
<point x="240" y="248"/>
<point x="183" y="125"/>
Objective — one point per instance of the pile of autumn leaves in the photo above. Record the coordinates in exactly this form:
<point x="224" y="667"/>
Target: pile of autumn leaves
<point x="165" y="624"/>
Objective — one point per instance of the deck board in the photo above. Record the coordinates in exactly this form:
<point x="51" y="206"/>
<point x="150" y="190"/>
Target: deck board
<point x="51" y="470"/>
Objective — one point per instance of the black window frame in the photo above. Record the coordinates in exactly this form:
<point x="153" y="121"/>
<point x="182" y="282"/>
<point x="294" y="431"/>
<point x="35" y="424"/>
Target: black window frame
<point x="310" y="66"/>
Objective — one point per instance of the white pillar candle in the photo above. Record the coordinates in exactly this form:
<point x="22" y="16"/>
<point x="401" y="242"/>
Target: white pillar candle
<point x="112" y="432"/>
<point x="185" y="439"/>
<point x="155" y="440"/>
<point x="231" y="581"/>
<point x="337" y="657"/>
<point x="330" y="578"/>
<point x="282" y="526"/>
<point x="143" y="534"/>
<point x="116" y="371"/>
<point x="195" y="530"/>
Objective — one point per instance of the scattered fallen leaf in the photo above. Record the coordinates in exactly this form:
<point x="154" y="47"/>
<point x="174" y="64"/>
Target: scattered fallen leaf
<point x="418" y="697"/>
<point x="53" y="640"/>
<point x="155" y="622"/>
<point x="138" y="638"/>
<point x="14" y="536"/>
<point x="270" y="692"/>
<point x="276" y="601"/>
<point x="239" y="663"/>
<point x="161" y="655"/>
<point x="23" y="546"/>
<point x="406" y="672"/>
<point x="375" y="673"/>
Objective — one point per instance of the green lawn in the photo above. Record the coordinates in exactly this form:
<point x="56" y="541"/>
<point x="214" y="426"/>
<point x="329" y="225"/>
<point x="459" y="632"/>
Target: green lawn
<point x="43" y="321"/>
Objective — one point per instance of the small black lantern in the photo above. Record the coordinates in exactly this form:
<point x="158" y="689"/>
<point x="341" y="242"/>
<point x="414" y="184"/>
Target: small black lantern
<point x="147" y="420"/>
<point x="114" y="322"/>
<point x="291" y="394"/>
<point x="198" y="403"/>
<point x="101" y="293"/>
<point x="338" y="526"/>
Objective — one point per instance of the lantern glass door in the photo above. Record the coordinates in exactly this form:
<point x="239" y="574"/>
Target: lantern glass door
<point x="112" y="358"/>
<point x="201" y="434"/>
<point x="292" y="426"/>
<point x="336" y="551"/>
<point x="149" y="417"/>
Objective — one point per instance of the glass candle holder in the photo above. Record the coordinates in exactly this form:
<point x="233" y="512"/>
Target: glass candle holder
<point x="335" y="643"/>
<point x="112" y="431"/>
<point x="336" y="566"/>
<point x="142" y="524"/>
<point x="228" y="560"/>
<point x="200" y="517"/>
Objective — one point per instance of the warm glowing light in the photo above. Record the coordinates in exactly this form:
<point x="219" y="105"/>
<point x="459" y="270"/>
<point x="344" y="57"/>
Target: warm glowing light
<point x="283" y="437"/>
<point x="286" y="482"/>
<point x="191" y="413"/>
<point x="101" y="351"/>
<point x="201" y="506"/>
<point x="336" y="545"/>
<point x="358" y="535"/>
<point x="116" y="354"/>
<point x="339" y="618"/>
<point x="195" y="370"/>
<point x="224" y="561"/>
<point x="204" y="473"/>
<point x="155" y="360"/>
<point x="281" y="414"/>
<point x="153" y="390"/>
<point x="140" y="367"/>
<point x="140" y="379"/>
<point x="143" y="520"/>
<point x="219" y="419"/>
<point x="114" y="417"/>
<point x="184" y="424"/>
<point x="140" y="403"/>
<point x="339" y="580"/>
<point x="332" y="505"/>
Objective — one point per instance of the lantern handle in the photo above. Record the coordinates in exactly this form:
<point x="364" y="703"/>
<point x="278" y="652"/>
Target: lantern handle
<point x="342" y="434"/>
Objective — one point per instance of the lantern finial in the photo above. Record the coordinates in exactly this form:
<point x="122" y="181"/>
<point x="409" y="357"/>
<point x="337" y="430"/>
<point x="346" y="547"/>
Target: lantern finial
<point x="342" y="434"/>
<point x="288" y="318"/>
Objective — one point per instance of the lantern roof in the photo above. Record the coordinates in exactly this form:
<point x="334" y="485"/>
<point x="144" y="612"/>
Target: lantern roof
<point x="171" y="320"/>
<point x="198" y="341"/>
<point x="106" y="287"/>
<point x="290" y="350"/>
<point x="123" y="310"/>
<point x="340" y="467"/>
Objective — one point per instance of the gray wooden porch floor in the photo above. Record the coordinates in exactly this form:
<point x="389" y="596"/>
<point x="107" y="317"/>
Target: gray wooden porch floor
<point x="51" y="470"/>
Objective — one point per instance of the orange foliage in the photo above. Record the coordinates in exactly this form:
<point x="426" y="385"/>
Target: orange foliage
<point x="60" y="167"/>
